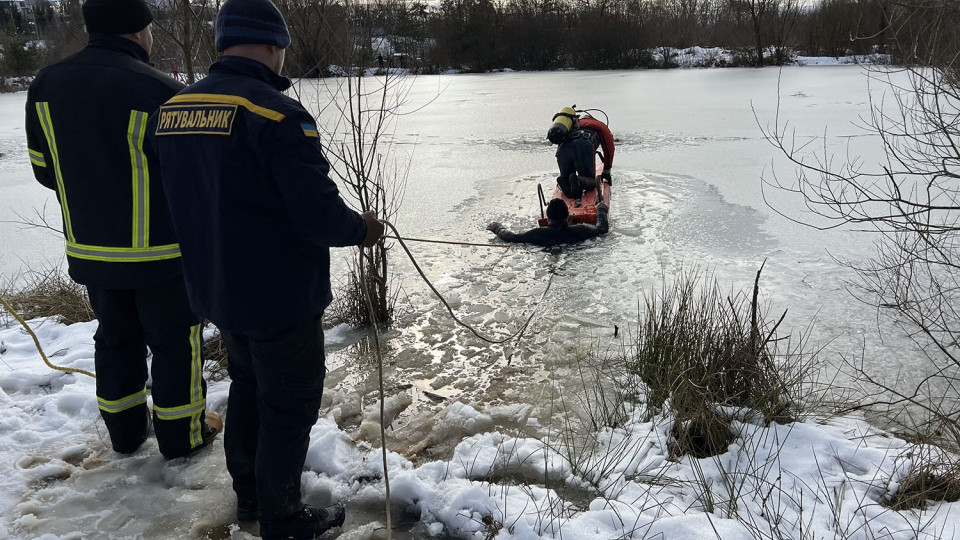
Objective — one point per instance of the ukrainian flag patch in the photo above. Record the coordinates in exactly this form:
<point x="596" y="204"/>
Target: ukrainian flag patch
<point x="310" y="130"/>
<point x="213" y="119"/>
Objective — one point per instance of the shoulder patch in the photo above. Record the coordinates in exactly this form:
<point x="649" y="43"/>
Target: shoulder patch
<point x="310" y="130"/>
<point x="214" y="119"/>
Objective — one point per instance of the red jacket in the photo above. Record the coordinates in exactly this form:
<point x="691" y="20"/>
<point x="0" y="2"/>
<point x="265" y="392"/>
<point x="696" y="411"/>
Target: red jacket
<point x="606" y="138"/>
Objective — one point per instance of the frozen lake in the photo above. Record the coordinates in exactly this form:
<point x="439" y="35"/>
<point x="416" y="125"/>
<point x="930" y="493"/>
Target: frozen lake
<point x="687" y="194"/>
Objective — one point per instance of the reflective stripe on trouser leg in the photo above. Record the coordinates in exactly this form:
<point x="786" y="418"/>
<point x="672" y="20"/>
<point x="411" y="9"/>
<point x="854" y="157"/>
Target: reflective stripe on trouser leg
<point x="122" y="404"/>
<point x="37" y="158"/>
<point x="179" y="392"/>
<point x="194" y="410"/>
<point x="120" y="358"/>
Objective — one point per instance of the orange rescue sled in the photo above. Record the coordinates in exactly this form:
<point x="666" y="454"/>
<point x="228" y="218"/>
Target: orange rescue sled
<point x="587" y="211"/>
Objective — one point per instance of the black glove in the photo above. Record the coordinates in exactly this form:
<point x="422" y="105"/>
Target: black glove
<point x="493" y="227"/>
<point x="374" y="229"/>
<point x="606" y="176"/>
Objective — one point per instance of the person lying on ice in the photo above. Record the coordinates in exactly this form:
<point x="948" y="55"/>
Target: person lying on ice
<point x="557" y="231"/>
<point x="578" y="139"/>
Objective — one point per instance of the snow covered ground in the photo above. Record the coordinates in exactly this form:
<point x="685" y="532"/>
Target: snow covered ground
<point x="813" y="479"/>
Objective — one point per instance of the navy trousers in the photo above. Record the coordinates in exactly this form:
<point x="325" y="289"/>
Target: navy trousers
<point x="157" y="316"/>
<point x="576" y="156"/>
<point x="276" y="386"/>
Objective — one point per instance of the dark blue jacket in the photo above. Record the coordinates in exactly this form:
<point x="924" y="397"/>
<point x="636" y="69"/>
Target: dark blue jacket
<point x="85" y="121"/>
<point x="251" y="199"/>
<point x="557" y="232"/>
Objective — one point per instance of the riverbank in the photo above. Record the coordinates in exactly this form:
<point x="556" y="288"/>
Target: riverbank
<point x="825" y="477"/>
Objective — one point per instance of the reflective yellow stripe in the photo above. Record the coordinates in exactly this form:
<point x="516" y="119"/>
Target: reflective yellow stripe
<point x="191" y="411"/>
<point x="183" y="411"/>
<point x="122" y="404"/>
<point x="123" y="254"/>
<point x="196" y="381"/>
<point x="43" y="111"/>
<point x="37" y="158"/>
<point x="195" y="431"/>
<point x="228" y="99"/>
<point x="141" y="179"/>
<point x="196" y="363"/>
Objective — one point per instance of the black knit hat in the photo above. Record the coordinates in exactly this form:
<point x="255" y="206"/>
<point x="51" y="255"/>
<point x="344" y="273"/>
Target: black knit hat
<point x="557" y="210"/>
<point x="242" y="22"/>
<point x="116" y="17"/>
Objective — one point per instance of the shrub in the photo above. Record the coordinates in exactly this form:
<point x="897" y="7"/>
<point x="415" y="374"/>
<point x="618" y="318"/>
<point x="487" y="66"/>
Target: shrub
<point x="21" y="57"/>
<point x="49" y="293"/>
<point x="698" y="351"/>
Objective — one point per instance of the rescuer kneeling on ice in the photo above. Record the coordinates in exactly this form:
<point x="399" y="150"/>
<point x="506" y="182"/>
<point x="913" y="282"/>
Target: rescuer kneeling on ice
<point x="578" y="139"/>
<point x="558" y="230"/>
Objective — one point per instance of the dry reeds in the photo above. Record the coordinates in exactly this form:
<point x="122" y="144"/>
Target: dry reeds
<point x="698" y="350"/>
<point x="926" y="482"/>
<point x="49" y="293"/>
<point x="215" y="358"/>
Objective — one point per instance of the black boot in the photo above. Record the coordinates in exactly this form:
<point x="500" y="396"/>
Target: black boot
<point x="308" y="523"/>
<point x="576" y="190"/>
<point x="247" y="509"/>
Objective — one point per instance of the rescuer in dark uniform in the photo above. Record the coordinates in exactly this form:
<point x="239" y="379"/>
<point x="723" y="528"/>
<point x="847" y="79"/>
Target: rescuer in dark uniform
<point x="577" y="139"/>
<point x="557" y="231"/>
<point x="86" y="119"/>
<point x="256" y="213"/>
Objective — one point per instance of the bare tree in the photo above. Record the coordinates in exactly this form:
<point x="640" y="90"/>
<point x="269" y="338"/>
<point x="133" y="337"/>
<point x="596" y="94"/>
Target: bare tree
<point x="185" y="33"/>
<point x="756" y="10"/>
<point x="358" y="120"/>
<point x="785" y="15"/>
<point x="911" y="202"/>
<point x="323" y="33"/>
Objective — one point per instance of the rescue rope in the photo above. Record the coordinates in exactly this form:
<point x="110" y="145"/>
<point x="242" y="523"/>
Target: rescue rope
<point x="379" y="353"/>
<point x="36" y="342"/>
<point x="455" y="243"/>
<point x="453" y="315"/>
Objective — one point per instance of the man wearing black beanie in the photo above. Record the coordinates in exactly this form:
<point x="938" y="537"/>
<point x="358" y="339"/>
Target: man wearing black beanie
<point x="257" y="212"/>
<point x="86" y="123"/>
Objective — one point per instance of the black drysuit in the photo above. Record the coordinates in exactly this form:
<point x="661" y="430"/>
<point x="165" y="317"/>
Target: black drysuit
<point x="557" y="232"/>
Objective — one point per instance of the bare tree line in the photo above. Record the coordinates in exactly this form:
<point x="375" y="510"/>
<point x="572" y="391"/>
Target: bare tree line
<point x="479" y="35"/>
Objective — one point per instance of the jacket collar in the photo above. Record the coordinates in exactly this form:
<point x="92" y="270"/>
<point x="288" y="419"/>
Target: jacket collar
<point x="240" y="65"/>
<point x="118" y="44"/>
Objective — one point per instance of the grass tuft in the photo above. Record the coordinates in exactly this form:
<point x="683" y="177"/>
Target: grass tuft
<point x="700" y="352"/>
<point x="215" y="358"/>
<point x="705" y="433"/>
<point x="49" y="293"/>
<point x="926" y="482"/>
<point x="350" y="303"/>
